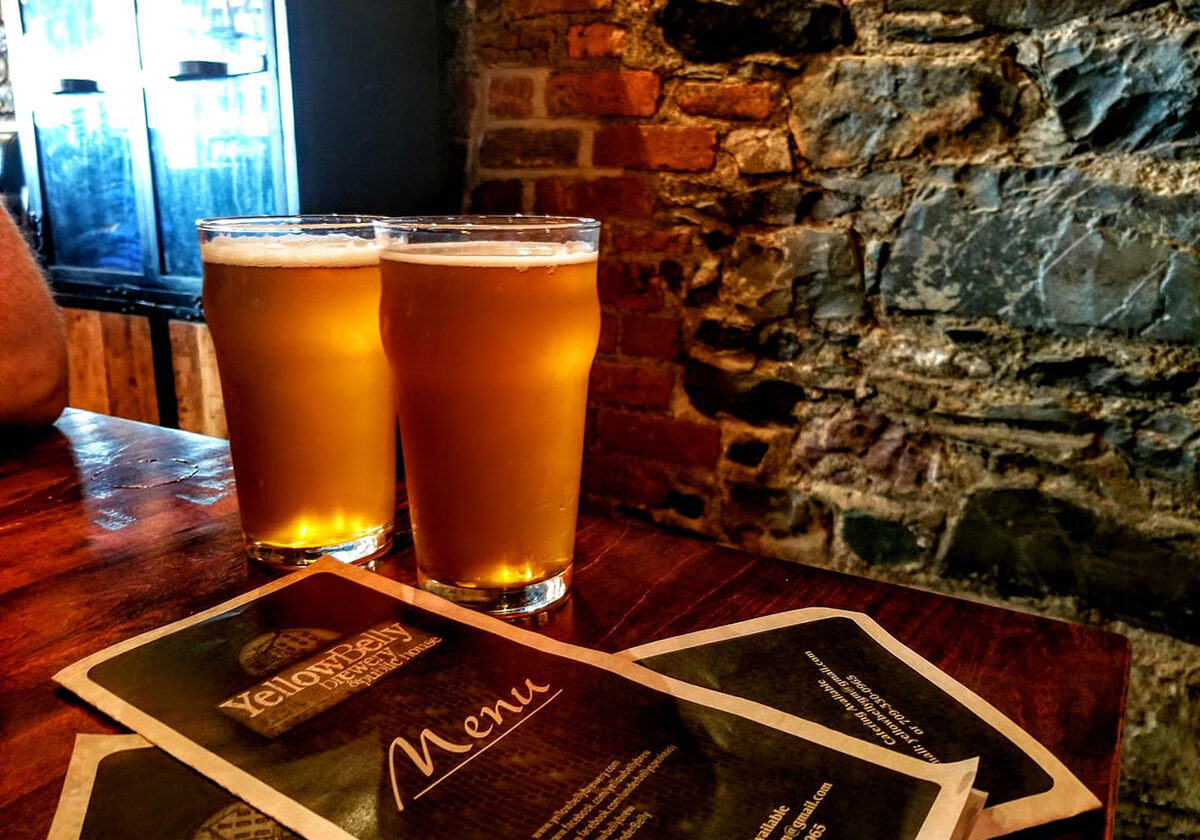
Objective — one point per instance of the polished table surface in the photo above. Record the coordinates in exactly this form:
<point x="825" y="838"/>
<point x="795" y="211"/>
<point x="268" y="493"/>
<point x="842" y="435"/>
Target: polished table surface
<point x="109" y="528"/>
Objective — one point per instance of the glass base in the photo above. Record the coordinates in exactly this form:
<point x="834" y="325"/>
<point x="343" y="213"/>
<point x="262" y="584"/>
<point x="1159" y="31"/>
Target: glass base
<point x="503" y="603"/>
<point x="286" y="557"/>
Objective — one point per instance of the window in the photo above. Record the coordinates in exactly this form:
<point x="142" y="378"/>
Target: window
<point x="148" y="116"/>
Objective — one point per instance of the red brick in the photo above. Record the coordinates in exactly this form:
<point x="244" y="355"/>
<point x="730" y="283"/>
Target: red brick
<point x="630" y="287"/>
<point x="681" y="148"/>
<point x="529" y="45"/>
<point x="596" y="40"/>
<point x="628" y="197"/>
<point x="497" y="197"/>
<point x="608" y="333"/>
<point x="725" y="101"/>
<point x="511" y="97"/>
<point x="660" y="438"/>
<point x="529" y="8"/>
<point x="637" y="240"/>
<point x="618" y="93"/>
<point x="529" y="147"/>
<point x="632" y="385"/>
<point x="627" y="479"/>
<point x="657" y="338"/>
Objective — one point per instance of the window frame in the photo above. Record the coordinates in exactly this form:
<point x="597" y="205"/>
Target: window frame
<point x="152" y="291"/>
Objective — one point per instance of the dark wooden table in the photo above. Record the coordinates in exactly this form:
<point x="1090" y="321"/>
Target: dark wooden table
<point x="109" y="528"/>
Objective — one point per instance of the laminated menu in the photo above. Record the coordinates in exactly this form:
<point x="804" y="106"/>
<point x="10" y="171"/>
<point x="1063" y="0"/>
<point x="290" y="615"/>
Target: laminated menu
<point x="345" y="705"/>
<point x="119" y="787"/>
<point x="842" y="670"/>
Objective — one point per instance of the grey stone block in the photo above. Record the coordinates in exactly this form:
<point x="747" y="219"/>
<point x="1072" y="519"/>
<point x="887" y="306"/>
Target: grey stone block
<point x="1165" y="447"/>
<point x="1180" y="319"/>
<point x="1043" y="418"/>
<point x="795" y="271"/>
<point x="850" y="110"/>
<point x="1049" y="248"/>
<point x="759" y="151"/>
<point x="1120" y="88"/>
<point x="881" y="542"/>
<point x="1030" y="543"/>
<point x="1101" y="375"/>
<point x="932" y="28"/>
<point x="870" y="185"/>
<point x="1016" y="14"/>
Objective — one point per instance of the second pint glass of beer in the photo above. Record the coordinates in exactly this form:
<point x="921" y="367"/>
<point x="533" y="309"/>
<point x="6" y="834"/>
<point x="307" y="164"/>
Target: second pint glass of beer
<point x="293" y="307"/>
<point x="491" y="324"/>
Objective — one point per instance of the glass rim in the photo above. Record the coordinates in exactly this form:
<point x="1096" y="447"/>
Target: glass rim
<point x="287" y="223"/>
<point x="428" y="224"/>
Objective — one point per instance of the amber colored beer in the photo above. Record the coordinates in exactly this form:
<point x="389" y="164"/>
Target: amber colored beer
<point x="491" y="343"/>
<point x="307" y="389"/>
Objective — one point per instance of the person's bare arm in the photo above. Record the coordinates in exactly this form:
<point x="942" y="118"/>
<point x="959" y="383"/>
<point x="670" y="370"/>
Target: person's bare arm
<point x="33" y="347"/>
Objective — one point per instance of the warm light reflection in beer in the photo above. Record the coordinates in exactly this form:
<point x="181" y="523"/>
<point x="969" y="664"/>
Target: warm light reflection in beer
<point x="300" y="533"/>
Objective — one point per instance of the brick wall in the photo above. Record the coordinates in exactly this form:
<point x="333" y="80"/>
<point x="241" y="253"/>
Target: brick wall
<point x="912" y="287"/>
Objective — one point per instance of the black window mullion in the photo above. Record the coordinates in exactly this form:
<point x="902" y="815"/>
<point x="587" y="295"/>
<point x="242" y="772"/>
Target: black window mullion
<point x="143" y="176"/>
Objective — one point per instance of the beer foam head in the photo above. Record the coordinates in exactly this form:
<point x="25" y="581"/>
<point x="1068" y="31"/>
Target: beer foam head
<point x="491" y="254"/>
<point x="293" y="250"/>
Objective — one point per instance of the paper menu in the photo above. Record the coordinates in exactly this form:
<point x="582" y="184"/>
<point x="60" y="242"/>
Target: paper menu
<point x="392" y="713"/>
<point x="842" y="670"/>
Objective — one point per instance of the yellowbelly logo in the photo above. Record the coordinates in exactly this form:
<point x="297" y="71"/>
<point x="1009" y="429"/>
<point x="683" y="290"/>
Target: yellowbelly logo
<point x="302" y="691"/>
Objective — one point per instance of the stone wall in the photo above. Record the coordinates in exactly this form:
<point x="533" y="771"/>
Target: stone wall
<point x="913" y="285"/>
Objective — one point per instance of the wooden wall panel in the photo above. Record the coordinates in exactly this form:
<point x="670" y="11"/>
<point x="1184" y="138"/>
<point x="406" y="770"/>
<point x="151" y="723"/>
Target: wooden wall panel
<point x="87" y="385"/>
<point x="111" y="364"/>
<point x="129" y="364"/>
<point x="197" y="385"/>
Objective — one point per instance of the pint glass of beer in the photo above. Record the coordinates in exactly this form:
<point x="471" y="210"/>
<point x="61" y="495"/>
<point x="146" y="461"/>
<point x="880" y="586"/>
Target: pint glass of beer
<point x="491" y="324"/>
<point x="293" y="307"/>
